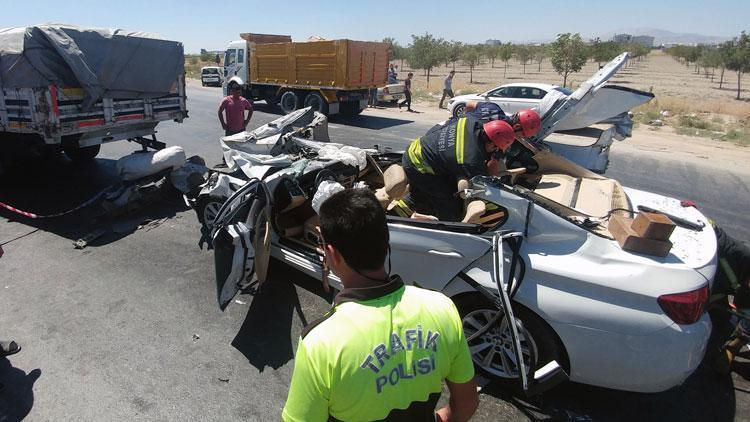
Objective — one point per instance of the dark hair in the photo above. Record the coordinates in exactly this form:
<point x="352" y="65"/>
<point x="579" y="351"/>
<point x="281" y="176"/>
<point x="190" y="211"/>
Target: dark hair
<point x="409" y="74"/>
<point x="354" y="222"/>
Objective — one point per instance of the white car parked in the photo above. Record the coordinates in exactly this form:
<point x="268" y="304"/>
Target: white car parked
<point x="511" y="97"/>
<point x="211" y="75"/>
<point x="606" y="316"/>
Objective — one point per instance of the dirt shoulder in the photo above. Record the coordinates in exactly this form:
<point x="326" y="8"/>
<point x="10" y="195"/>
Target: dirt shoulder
<point x="662" y="143"/>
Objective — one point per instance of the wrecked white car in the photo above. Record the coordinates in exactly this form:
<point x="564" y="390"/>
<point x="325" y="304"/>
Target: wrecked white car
<point x="538" y="237"/>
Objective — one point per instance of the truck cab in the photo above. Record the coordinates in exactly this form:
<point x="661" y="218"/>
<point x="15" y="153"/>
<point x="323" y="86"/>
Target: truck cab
<point x="235" y="64"/>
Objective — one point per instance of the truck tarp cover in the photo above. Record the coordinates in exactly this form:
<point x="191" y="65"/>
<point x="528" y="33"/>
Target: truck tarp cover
<point x="104" y="62"/>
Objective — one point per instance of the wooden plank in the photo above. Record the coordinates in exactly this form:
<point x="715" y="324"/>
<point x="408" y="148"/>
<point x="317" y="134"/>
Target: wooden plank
<point x="621" y="229"/>
<point x="653" y="226"/>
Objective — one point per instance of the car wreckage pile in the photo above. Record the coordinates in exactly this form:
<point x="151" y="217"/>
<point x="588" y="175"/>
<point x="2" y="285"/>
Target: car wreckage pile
<point x="540" y="237"/>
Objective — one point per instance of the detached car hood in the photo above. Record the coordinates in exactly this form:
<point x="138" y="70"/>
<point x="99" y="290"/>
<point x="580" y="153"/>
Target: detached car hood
<point x="593" y="102"/>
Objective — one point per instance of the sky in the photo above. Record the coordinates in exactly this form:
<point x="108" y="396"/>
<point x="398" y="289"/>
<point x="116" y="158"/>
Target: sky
<point x="213" y="24"/>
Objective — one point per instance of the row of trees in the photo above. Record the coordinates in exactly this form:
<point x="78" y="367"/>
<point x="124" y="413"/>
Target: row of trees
<point x="732" y="55"/>
<point x="567" y="54"/>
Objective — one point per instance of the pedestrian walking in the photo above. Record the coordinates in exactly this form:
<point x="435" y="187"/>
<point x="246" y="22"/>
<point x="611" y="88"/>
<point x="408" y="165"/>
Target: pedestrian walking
<point x="384" y="349"/>
<point x="392" y="75"/>
<point x="447" y="88"/>
<point x="372" y="101"/>
<point x="407" y="92"/>
<point x="234" y="107"/>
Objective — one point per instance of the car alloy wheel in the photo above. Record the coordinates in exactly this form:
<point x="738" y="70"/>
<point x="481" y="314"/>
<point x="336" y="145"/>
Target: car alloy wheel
<point x="493" y="350"/>
<point x="210" y="211"/>
<point x="459" y="110"/>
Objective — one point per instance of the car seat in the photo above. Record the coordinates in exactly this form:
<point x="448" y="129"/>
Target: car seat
<point x="395" y="185"/>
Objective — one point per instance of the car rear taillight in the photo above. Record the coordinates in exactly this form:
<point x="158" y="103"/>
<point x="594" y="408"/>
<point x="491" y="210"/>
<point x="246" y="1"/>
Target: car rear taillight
<point x="684" y="308"/>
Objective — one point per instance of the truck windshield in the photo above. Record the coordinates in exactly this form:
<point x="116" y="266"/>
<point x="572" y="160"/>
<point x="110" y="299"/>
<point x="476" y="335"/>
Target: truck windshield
<point x="230" y="57"/>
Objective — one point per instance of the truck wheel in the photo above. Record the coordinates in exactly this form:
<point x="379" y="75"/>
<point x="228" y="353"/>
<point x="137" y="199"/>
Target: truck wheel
<point x="289" y="102"/>
<point x="82" y="154"/>
<point x="350" y="109"/>
<point x="271" y="100"/>
<point x="317" y="102"/>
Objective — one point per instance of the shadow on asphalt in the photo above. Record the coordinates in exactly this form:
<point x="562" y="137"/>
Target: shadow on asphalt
<point x="705" y="395"/>
<point x="16" y="391"/>
<point x="54" y="184"/>
<point x="265" y="336"/>
<point x="361" y="121"/>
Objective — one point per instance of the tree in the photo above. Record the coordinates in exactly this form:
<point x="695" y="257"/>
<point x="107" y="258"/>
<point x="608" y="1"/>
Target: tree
<point x="710" y="59"/>
<point x="506" y="52"/>
<point x="726" y="49"/>
<point x="568" y="55"/>
<point x="471" y="55"/>
<point x="491" y="52"/>
<point x="739" y="61"/>
<point x="425" y="52"/>
<point x="604" y="51"/>
<point x="206" y="56"/>
<point x="523" y="54"/>
<point x="540" y="53"/>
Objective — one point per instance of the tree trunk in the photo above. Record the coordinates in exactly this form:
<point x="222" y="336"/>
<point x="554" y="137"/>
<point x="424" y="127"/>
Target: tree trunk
<point x="524" y="68"/>
<point x="540" y="66"/>
<point x="471" y="74"/>
<point x="739" y="76"/>
<point x="492" y="62"/>
<point x="428" y="78"/>
<point x="505" y="72"/>
<point x="565" y="79"/>
<point x="713" y="72"/>
<point x="402" y="63"/>
<point x="721" y="79"/>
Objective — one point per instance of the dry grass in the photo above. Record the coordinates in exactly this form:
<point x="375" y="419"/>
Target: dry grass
<point x="193" y="65"/>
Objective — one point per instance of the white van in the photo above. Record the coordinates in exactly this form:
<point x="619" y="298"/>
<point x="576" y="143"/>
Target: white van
<point x="211" y="75"/>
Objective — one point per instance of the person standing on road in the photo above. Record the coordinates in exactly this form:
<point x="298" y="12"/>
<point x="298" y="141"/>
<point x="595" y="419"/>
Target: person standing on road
<point x="392" y="75"/>
<point x="234" y="107"/>
<point x="373" y="98"/>
<point x="407" y="92"/>
<point x="8" y="348"/>
<point x="447" y="87"/>
<point x="384" y="349"/>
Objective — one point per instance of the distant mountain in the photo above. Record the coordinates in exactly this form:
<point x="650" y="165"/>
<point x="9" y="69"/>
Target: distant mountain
<point x="667" y="37"/>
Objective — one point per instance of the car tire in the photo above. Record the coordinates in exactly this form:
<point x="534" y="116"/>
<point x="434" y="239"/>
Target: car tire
<point x="82" y="154"/>
<point x="475" y="309"/>
<point x="317" y="102"/>
<point x="289" y="102"/>
<point x="459" y="110"/>
<point x="207" y="207"/>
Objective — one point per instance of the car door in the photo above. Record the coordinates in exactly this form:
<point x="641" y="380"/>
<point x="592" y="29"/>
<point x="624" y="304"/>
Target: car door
<point x="502" y="97"/>
<point x="426" y="255"/>
<point x="241" y="240"/>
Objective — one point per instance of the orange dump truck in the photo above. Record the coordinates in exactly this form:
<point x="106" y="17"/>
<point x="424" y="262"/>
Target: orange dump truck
<point x="331" y="76"/>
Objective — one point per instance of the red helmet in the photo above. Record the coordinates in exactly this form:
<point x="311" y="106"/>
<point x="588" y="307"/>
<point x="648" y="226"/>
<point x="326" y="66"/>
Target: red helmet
<point x="500" y="133"/>
<point x="530" y="122"/>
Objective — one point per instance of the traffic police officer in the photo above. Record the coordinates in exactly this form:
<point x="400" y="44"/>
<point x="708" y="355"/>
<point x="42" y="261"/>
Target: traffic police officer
<point x="460" y="149"/>
<point x="384" y="349"/>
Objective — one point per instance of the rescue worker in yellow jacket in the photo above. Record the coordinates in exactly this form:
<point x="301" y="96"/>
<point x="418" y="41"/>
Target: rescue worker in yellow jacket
<point x="459" y="149"/>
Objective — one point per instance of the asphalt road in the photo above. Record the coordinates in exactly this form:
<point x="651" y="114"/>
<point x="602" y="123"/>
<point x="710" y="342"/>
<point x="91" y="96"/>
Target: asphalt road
<point x="129" y="328"/>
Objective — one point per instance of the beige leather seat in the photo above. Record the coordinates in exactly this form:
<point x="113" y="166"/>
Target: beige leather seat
<point x="395" y="185"/>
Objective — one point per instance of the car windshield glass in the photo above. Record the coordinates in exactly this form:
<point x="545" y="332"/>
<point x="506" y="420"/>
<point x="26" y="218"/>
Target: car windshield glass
<point x="212" y="71"/>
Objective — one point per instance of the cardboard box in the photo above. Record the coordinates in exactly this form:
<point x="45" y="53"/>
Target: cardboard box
<point x="621" y="229"/>
<point x="653" y="226"/>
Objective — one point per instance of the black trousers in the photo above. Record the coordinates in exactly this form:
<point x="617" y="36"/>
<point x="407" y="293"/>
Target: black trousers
<point x="407" y="100"/>
<point x="231" y="132"/>
<point x="432" y="194"/>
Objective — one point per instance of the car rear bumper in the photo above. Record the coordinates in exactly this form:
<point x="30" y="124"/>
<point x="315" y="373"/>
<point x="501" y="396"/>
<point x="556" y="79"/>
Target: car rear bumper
<point x="647" y="364"/>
